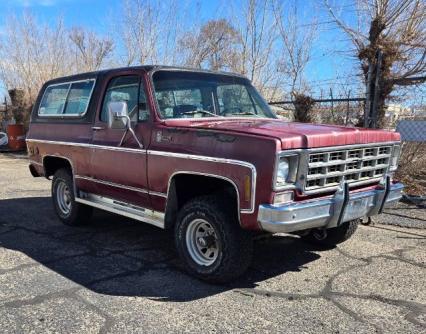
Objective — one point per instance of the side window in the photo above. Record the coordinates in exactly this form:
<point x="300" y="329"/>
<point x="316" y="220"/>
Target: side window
<point x="78" y="97"/>
<point x="67" y="99"/>
<point x="53" y="101"/>
<point x="143" y="104"/>
<point x="122" y="89"/>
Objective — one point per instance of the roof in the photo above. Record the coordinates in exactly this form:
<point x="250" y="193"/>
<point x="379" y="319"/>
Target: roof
<point x="147" y="68"/>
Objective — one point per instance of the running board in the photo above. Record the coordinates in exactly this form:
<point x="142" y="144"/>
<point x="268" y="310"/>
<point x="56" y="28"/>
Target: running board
<point x="152" y="217"/>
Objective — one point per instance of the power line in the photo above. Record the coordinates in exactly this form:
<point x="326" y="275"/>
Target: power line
<point x="352" y="99"/>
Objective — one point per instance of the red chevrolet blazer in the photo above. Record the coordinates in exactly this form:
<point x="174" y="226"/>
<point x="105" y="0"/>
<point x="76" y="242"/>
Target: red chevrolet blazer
<point x="202" y="153"/>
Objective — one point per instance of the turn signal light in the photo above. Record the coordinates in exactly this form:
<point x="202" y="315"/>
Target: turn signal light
<point x="283" y="197"/>
<point x="247" y="188"/>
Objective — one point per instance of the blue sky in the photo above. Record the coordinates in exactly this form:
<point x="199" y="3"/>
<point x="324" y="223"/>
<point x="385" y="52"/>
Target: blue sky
<point x="330" y="60"/>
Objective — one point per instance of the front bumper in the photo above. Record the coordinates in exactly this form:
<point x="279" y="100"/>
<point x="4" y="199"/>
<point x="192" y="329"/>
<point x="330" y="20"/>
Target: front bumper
<point x="328" y="212"/>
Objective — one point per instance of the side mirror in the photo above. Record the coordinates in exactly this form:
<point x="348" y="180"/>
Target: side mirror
<point x="118" y="115"/>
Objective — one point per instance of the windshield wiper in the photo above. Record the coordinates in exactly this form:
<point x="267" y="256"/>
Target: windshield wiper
<point x="245" y="113"/>
<point x="193" y="112"/>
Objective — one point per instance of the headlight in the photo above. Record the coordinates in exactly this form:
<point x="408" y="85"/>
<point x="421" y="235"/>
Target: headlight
<point x="286" y="170"/>
<point x="282" y="172"/>
<point x="394" y="158"/>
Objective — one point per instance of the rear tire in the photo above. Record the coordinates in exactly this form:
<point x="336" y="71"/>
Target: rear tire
<point x="210" y="241"/>
<point x="334" y="236"/>
<point x="67" y="209"/>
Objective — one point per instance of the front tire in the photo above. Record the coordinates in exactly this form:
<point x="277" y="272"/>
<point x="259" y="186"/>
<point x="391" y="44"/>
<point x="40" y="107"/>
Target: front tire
<point x="332" y="236"/>
<point x="67" y="209"/>
<point x="210" y="241"/>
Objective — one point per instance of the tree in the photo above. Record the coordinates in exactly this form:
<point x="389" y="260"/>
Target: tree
<point x="31" y="54"/>
<point x="213" y="46"/>
<point x="91" y="50"/>
<point x="148" y="31"/>
<point x="396" y="29"/>
<point x="303" y="108"/>
<point x="297" y="41"/>
<point x="257" y="58"/>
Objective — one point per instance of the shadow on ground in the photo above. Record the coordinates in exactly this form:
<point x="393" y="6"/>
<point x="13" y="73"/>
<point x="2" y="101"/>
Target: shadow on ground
<point x="120" y="257"/>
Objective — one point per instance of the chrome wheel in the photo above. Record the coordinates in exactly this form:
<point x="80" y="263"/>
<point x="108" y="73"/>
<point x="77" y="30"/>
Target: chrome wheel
<point x="202" y="242"/>
<point x="63" y="198"/>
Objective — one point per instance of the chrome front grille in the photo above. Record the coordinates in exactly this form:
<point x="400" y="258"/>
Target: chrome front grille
<point x="355" y="165"/>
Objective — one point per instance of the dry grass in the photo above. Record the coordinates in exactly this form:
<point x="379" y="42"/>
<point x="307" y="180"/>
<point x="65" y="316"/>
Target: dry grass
<point x="412" y="168"/>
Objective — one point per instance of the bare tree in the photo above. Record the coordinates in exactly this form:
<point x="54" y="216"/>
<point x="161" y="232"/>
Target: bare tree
<point x="91" y="50"/>
<point x="258" y="49"/>
<point x="148" y="31"/>
<point x="213" y="46"/>
<point x="297" y="42"/>
<point x="396" y="28"/>
<point x="31" y="54"/>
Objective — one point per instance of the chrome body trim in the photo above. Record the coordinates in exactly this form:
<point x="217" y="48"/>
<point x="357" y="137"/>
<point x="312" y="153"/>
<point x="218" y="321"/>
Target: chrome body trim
<point x="61" y="115"/>
<point x="102" y="147"/>
<point x="174" y="155"/>
<point x="218" y="160"/>
<point x="33" y="162"/>
<point x="122" y="186"/>
<point x="152" y="217"/>
<point x="351" y="146"/>
<point x="158" y="194"/>
<point x="111" y="184"/>
<point x="326" y="212"/>
<point x="214" y="176"/>
<point x="69" y="161"/>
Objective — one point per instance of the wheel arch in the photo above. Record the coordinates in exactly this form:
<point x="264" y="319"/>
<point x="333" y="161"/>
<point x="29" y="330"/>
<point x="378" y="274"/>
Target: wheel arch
<point x="176" y="197"/>
<point x="51" y="163"/>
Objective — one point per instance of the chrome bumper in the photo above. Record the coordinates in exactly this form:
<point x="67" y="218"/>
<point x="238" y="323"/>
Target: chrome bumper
<point x="330" y="212"/>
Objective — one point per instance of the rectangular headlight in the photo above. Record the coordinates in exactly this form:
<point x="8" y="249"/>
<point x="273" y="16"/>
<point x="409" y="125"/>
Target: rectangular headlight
<point x="286" y="170"/>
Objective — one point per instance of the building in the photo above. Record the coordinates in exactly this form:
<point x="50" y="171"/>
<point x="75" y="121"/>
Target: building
<point x="394" y="112"/>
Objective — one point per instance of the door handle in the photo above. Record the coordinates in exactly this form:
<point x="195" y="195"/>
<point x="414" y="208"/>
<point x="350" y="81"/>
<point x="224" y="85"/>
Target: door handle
<point x="97" y="128"/>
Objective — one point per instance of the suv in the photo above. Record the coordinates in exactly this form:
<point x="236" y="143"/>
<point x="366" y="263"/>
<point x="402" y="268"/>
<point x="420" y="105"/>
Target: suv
<point x="201" y="153"/>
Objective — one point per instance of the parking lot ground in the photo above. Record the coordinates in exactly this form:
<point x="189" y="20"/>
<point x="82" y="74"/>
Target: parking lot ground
<point x="117" y="275"/>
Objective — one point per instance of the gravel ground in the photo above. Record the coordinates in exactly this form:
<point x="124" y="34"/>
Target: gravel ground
<point x="118" y="275"/>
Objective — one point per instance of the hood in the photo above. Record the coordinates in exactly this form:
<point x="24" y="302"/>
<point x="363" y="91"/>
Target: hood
<point x="294" y="135"/>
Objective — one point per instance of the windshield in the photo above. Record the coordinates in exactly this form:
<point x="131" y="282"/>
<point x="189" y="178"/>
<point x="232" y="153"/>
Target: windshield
<point x="196" y="95"/>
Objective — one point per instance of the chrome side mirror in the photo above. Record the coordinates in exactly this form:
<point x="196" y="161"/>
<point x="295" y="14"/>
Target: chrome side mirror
<point x="118" y="115"/>
<point x="119" y="119"/>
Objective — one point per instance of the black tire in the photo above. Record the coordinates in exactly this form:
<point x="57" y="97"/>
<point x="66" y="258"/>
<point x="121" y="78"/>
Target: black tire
<point x="76" y="214"/>
<point x="333" y="236"/>
<point x="234" y="245"/>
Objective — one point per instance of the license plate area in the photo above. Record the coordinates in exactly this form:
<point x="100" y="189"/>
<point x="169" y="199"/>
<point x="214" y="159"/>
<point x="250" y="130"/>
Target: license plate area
<point x="357" y="208"/>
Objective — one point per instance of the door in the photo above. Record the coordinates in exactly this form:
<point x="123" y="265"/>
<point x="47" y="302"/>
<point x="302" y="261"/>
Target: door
<point x="120" y="171"/>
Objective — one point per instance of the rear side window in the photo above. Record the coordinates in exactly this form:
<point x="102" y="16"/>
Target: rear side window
<point x="53" y="101"/>
<point x="67" y="99"/>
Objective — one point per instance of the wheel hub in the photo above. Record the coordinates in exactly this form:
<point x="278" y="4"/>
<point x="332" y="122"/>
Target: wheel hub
<point x="202" y="242"/>
<point x="63" y="197"/>
<point x="206" y="241"/>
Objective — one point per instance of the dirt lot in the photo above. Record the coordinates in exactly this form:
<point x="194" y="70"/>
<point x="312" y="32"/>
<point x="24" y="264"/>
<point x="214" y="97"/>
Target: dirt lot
<point x="118" y="276"/>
